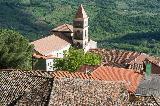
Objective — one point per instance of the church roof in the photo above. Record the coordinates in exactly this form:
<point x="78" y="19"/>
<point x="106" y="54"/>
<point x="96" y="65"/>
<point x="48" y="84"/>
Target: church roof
<point x="63" y="28"/>
<point x="81" y="12"/>
<point x="56" y="41"/>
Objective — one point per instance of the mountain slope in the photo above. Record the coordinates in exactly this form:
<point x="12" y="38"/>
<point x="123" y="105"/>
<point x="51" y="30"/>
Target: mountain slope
<point x="117" y="24"/>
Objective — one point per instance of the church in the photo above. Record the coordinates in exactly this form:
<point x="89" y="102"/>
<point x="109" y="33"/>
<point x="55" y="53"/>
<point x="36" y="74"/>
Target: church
<point x="62" y="38"/>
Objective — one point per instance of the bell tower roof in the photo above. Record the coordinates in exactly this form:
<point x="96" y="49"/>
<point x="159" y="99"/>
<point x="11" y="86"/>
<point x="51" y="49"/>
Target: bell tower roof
<point x="81" y="12"/>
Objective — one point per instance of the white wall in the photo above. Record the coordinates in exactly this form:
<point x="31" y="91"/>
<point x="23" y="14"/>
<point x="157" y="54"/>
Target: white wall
<point x="49" y="64"/>
<point x="58" y="54"/>
<point x="91" y="45"/>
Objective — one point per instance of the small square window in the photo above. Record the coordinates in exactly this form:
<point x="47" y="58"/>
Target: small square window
<point x="57" y="54"/>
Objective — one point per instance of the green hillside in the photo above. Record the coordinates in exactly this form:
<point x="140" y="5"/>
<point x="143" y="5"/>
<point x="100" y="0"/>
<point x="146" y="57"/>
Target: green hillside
<point x="117" y="24"/>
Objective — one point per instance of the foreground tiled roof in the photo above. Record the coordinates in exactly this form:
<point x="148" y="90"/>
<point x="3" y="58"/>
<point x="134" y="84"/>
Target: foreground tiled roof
<point x="66" y="74"/>
<point x="81" y="12"/>
<point x="51" y="43"/>
<point x="64" y="28"/>
<point x="24" y="87"/>
<point x="80" y="92"/>
<point x="144" y="101"/>
<point x="107" y="73"/>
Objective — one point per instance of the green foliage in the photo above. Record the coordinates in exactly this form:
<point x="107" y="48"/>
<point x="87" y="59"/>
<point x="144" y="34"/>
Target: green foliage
<point x="75" y="58"/>
<point x="15" y="51"/>
<point x="38" y="64"/>
<point x="113" y="23"/>
<point x="92" y="59"/>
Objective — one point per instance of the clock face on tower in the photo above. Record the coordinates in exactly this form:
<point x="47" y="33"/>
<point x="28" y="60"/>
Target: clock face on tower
<point x="78" y="24"/>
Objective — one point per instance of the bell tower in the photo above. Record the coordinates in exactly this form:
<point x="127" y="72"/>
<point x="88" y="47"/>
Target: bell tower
<point x="80" y="28"/>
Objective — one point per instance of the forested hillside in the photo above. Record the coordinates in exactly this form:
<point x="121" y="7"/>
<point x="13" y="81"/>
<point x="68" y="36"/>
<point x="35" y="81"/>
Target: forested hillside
<point x="117" y="24"/>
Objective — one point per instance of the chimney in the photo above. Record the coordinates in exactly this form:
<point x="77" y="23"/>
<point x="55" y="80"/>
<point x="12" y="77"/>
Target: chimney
<point x="148" y="70"/>
<point x="87" y="70"/>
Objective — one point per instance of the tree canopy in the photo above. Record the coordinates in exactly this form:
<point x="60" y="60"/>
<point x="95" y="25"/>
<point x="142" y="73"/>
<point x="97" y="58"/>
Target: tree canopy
<point x="113" y="23"/>
<point x="75" y="58"/>
<point x="15" y="50"/>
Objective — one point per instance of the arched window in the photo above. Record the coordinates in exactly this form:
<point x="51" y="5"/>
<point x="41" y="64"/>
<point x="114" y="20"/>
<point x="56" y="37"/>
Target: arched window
<point x="78" y="32"/>
<point x="85" y="43"/>
<point x="78" y="45"/>
<point x="85" y="33"/>
<point x="78" y="35"/>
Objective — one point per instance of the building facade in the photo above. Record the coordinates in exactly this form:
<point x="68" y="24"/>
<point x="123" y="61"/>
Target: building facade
<point x="62" y="38"/>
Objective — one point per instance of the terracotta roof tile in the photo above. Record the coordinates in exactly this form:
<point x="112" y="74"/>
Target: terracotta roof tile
<point x="131" y="78"/>
<point x="141" y="58"/>
<point x="80" y="92"/>
<point x="71" y="75"/>
<point x="155" y="67"/>
<point x="38" y="56"/>
<point x="116" y="58"/>
<point x="17" y="85"/>
<point x="85" y="68"/>
<point x="51" y="43"/>
<point x="81" y="12"/>
<point x="125" y="59"/>
<point x="64" y="28"/>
